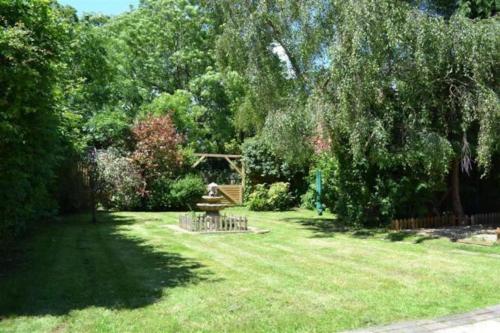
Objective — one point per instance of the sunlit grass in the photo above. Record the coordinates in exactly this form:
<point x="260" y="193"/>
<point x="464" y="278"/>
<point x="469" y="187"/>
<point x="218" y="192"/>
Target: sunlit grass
<point x="130" y="273"/>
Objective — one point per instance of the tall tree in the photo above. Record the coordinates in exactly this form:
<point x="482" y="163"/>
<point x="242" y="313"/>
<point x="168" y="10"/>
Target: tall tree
<point x="33" y="41"/>
<point x="281" y="50"/>
<point x="406" y="96"/>
<point x="163" y="52"/>
<point x="413" y="91"/>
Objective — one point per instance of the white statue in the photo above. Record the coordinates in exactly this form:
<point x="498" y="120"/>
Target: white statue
<point x="213" y="189"/>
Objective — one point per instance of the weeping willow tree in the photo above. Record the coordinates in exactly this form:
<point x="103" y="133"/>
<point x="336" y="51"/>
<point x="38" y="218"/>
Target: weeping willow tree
<point x="279" y="47"/>
<point x="406" y="92"/>
<point x="412" y="98"/>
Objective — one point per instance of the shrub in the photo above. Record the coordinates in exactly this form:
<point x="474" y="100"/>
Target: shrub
<point x="168" y="194"/>
<point x="187" y="191"/>
<point x="308" y="199"/>
<point x="258" y="199"/>
<point x="157" y="149"/>
<point x="120" y="183"/>
<point x="158" y="194"/>
<point x="277" y="197"/>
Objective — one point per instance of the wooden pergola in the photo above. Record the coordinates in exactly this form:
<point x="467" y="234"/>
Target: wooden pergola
<point x="232" y="193"/>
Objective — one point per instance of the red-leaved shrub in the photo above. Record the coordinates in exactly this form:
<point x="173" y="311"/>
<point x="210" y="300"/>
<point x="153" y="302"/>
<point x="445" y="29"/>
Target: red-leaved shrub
<point x="157" y="149"/>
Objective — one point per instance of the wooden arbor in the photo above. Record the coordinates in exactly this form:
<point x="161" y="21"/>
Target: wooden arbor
<point x="233" y="194"/>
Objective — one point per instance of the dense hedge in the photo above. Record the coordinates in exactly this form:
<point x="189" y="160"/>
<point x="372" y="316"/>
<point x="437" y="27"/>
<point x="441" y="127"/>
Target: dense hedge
<point x="31" y="38"/>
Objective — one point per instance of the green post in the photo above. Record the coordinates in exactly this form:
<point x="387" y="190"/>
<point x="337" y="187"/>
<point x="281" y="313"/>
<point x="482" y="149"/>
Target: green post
<point x="319" y="204"/>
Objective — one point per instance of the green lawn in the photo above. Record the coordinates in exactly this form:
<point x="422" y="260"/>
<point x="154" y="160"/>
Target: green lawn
<point x="131" y="273"/>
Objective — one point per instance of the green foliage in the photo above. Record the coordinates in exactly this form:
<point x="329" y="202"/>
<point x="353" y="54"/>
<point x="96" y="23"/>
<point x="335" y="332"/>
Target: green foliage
<point x="163" y="62"/>
<point x="292" y="121"/>
<point x="401" y="92"/>
<point x="412" y="109"/>
<point x="89" y="75"/>
<point x="277" y="197"/>
<point x="202" y="115"/>
<point x="146" y="178"/>
<point x="258" y="199"/>
<point x="86" y="86"/>
<point x="280" y="48"/>
<point x="181" y="108"/>
<point x="180" y="194"/>
<point x="186" y="192"/>
<point x="264" y="165"/>
<point x="329" y="168"/>
<point x="215" y="96"/>
<point x="158" y="196"/>
<point x="108" y="128"/>
<point x="32" y="40"/>
<point x="478" y="8"/>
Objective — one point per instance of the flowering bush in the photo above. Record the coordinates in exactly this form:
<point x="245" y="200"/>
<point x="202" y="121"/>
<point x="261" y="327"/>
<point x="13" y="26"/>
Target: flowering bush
<point x="120" y="182"/>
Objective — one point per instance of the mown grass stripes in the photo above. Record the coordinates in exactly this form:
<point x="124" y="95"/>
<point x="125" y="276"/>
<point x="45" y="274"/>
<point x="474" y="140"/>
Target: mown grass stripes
<point x="130" y="273"/>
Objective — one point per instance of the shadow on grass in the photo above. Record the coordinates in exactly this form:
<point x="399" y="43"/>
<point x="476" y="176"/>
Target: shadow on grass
<point x="321" y="227"/>
<point x="328" y="227"/>
<point x="364" y="233"/>
<point x="73" y="265"/>
<point x="325" y="228"/>
<point x="453" y="233"/>
<point x="422" y="239"/>
<point x="399" y="236"/>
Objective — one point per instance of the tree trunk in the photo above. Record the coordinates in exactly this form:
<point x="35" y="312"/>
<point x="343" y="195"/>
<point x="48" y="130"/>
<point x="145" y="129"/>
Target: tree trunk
<point x="92" y="199"/>
<point x="455" y="191"/>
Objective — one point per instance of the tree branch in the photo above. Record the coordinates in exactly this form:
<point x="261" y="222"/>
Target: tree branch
<point x="277" y="36"/>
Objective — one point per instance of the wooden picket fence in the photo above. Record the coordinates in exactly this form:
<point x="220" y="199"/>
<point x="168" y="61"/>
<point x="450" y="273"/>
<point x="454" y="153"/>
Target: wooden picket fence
<point x="492" y="219"/>
<point x="204" y="223"/>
